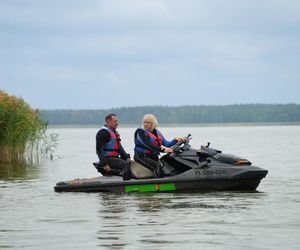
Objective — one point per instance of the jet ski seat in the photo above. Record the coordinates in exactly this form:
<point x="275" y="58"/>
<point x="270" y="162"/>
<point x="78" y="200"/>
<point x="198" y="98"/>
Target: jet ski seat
<point x="137" y="170"/>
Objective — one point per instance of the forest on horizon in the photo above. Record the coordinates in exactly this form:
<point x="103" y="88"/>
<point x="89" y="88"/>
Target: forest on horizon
<point x="238" y="113"/>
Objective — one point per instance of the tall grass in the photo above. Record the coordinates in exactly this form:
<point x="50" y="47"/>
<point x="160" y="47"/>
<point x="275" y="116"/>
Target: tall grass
<point x="21" y="129"/>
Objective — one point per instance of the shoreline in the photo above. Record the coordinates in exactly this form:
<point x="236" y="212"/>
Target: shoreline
<point x="236" y="124"/>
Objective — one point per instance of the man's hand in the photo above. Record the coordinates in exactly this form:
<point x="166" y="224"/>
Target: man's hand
<point x="129" y="160"/>
<point x="107" y="168"/>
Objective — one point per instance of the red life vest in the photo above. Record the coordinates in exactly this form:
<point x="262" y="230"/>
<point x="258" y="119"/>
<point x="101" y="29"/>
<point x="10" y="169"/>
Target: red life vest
<point x="141" y="147"/>
<point x="111" y="148"/>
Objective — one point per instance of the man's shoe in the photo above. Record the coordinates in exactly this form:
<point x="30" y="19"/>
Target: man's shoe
<point x="126" y="178"/>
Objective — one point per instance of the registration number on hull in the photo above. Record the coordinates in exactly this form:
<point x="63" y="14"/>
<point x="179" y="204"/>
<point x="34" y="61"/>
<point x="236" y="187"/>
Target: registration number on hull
<point x="210" y="172"/>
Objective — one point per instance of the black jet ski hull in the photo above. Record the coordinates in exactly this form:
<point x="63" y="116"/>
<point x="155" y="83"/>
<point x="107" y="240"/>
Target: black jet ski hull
<point x="167" y="184"/>
<point x="159" y="187"/>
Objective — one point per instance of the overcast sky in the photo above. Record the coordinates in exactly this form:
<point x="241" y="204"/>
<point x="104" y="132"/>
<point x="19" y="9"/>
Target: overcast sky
<point x="113" y="53"/>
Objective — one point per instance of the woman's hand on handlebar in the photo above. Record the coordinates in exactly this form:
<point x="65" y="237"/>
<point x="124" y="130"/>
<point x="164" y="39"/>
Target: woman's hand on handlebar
<point x="168" y="150"/>
<point x="180" y="139"/>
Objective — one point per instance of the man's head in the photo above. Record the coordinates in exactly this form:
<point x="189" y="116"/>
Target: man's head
<point x="111" y="121"/>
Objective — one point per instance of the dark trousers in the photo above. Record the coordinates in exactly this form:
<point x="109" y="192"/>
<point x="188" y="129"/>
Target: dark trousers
<point x="121" y="165"/>
<point x="151" y="163"/>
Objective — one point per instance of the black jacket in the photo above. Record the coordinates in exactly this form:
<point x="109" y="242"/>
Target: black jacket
<point x="103" y="137"/>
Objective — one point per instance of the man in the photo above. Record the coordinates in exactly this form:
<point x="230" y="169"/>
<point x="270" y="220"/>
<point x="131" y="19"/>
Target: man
<point x="109" y="149"/>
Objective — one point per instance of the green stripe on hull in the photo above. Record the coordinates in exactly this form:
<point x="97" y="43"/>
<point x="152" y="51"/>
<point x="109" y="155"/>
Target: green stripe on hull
<point x="167" y="187"/>
<point x="150" y="187"/>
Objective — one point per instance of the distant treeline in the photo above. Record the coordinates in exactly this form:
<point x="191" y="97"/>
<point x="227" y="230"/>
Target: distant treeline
<point x="240" y="113"/>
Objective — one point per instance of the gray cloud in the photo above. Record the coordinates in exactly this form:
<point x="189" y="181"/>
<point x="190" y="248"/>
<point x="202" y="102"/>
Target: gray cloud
<point x="210" y="52"/>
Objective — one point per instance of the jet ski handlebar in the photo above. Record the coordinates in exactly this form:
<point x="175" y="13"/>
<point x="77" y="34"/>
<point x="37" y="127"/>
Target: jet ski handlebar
<point x="176" y="147"/>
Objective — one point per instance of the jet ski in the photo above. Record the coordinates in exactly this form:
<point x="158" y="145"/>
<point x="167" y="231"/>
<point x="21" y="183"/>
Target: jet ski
<point x="185" y="170"/>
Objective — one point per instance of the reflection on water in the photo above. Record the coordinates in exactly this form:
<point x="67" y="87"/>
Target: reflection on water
<point x="141" y="218"/>
<point x="112" y="213"/>
<point x="19" y="171"/>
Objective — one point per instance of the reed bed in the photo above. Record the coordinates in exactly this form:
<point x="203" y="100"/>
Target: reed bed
<point x="21" y="130"/>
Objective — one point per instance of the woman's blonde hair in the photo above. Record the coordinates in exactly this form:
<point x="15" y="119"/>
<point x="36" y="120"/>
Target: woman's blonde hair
<point x="152" y="119"/>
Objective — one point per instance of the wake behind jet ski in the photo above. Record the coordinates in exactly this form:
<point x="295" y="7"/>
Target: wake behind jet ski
<point x="187" y="169"/>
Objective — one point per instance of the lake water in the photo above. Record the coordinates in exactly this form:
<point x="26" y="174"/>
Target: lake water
<point x="33" y="216"/>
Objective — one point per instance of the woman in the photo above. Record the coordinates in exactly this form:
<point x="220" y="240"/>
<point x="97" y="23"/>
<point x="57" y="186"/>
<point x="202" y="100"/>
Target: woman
<point x="149" y="143"/>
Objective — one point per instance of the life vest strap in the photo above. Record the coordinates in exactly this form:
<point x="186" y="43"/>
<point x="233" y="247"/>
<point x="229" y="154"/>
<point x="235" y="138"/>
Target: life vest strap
<point x="109" y="149"/>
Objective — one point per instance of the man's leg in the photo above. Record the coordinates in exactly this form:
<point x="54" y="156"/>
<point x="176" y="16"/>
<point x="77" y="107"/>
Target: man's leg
<point x="117" y="163"/>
